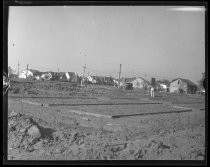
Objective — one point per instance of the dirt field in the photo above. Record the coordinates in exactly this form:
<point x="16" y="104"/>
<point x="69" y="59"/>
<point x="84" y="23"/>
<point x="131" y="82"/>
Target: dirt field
<point x="62" y="121"/>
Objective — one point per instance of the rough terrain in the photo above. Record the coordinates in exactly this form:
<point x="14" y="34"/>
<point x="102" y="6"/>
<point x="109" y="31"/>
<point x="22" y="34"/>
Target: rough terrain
<point x="53" y="133"/>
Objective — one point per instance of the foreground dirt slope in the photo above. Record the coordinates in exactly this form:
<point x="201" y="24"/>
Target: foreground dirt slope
<point x="50" y="133"/>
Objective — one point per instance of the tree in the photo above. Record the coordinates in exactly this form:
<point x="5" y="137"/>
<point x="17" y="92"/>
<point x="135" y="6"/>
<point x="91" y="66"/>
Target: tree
<point x="200" y="82"/>
<point x="10" y="70"/>
<point x="11" y="73"/>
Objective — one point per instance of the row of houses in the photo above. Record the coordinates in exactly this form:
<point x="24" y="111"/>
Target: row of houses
<point x="37" y="75"/>
<point x="64" y="76"/>
<point x="100" y="80"/>
<point x="176" y="85"/>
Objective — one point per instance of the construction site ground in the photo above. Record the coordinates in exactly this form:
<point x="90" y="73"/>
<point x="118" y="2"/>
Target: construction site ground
<point x="63" y="121"/>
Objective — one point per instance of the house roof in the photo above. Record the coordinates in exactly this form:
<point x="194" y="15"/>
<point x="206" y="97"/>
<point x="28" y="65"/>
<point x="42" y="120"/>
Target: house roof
<point x="143" y="79"/>
<point x="27" y="71"/>
<point x="187" y="81"/>
<point x="132" y="79"/>
<point x="127" y="79"/>
<point x="33" y="71"/>
<point x="72" y="74"/>
<point x="96" y="77"/>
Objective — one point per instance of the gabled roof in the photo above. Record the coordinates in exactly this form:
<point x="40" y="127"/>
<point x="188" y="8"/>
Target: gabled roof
<point x="72" y="74"/>
<point x="143" y="79"/>
<point x="187" y="81"/>
<point x="33" y="71"/>
<point x="132" y="79"/>
<point x="96" y="77"/>
<point x="127" y="79"/>
<point x="29" y="71"/>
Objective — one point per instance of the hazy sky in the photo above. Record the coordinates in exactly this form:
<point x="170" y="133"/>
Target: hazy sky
<point x="162" y="42"/>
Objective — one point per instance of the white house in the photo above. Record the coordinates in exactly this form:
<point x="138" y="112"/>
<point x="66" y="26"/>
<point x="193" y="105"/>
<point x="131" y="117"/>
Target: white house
<point x="67" y="76"/>
<point x="71" y="76"/>
<point x="115" y="82"/>
<point x="139" y="83"/>
<point x="46" y="76"/>
<point x="183" y="84"/>
<point x="90" y="79"/>
<point x="163" y="86"/>
<point x="25" y="74"/>
<point x="37" y="77"/>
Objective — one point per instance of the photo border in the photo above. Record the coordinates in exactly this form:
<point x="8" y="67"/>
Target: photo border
<point x="8" y="3"/>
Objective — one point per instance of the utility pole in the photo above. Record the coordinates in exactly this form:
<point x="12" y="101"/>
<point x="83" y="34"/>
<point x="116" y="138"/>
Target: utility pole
<point x="83" y="75"/>
<point x="27" y="72"/>
<point x="84" y="70"/>
<point x="119" y="76"/>
<point x="18" y="69"/>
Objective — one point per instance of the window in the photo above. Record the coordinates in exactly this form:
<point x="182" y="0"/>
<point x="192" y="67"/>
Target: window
<point x="178" y="82"/>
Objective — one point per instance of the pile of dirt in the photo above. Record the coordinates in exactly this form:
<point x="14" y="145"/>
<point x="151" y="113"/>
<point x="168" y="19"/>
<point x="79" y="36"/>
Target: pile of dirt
<point x="28" y="135"/>
<point x="23" y="132"/>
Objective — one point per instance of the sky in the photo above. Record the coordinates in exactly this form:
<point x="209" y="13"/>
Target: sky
<point x="164" y="42"/>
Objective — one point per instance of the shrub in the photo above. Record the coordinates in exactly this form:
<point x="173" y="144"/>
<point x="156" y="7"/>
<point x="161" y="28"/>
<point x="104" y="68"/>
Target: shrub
<point x="32" y="91"/>
<point x="17" y="90"/>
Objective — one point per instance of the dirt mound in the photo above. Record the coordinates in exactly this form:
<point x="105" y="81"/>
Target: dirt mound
<point x="29" y="136"/>
<point x="23" y="132"/>
<point x="26" y="135"/>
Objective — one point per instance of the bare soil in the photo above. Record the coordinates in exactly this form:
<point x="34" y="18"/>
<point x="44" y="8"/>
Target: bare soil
<point x="54" y="133"/>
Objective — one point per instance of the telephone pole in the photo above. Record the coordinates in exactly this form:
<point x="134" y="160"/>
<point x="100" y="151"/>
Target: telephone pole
<point x="119" y="76"/>
<point x="27" y="72"/>
<point x="83" y="75"/>
<point x="18" y="69"/>
<point x="84" y="70"/>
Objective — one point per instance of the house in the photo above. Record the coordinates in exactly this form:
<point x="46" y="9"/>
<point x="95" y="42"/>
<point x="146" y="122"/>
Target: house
<point x="91" y="80"/>
<point x="46" y="76"/>
<point x="25" y="74"/>
<point x="97" y="79"/>
<point x="109" y="80"/>
<point x="36" y="74"/>
<point x="57" y="76"/>
<point x="140" y="83"/>
<point x="71" y="76"/>
<point x="115" y="82"/>
<point x="94" y="79"/>
<point x="183" y="85"/>
<point x="123" y="81"/>
<point x="163" y="86"/>
<point x="100" y="80"/>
